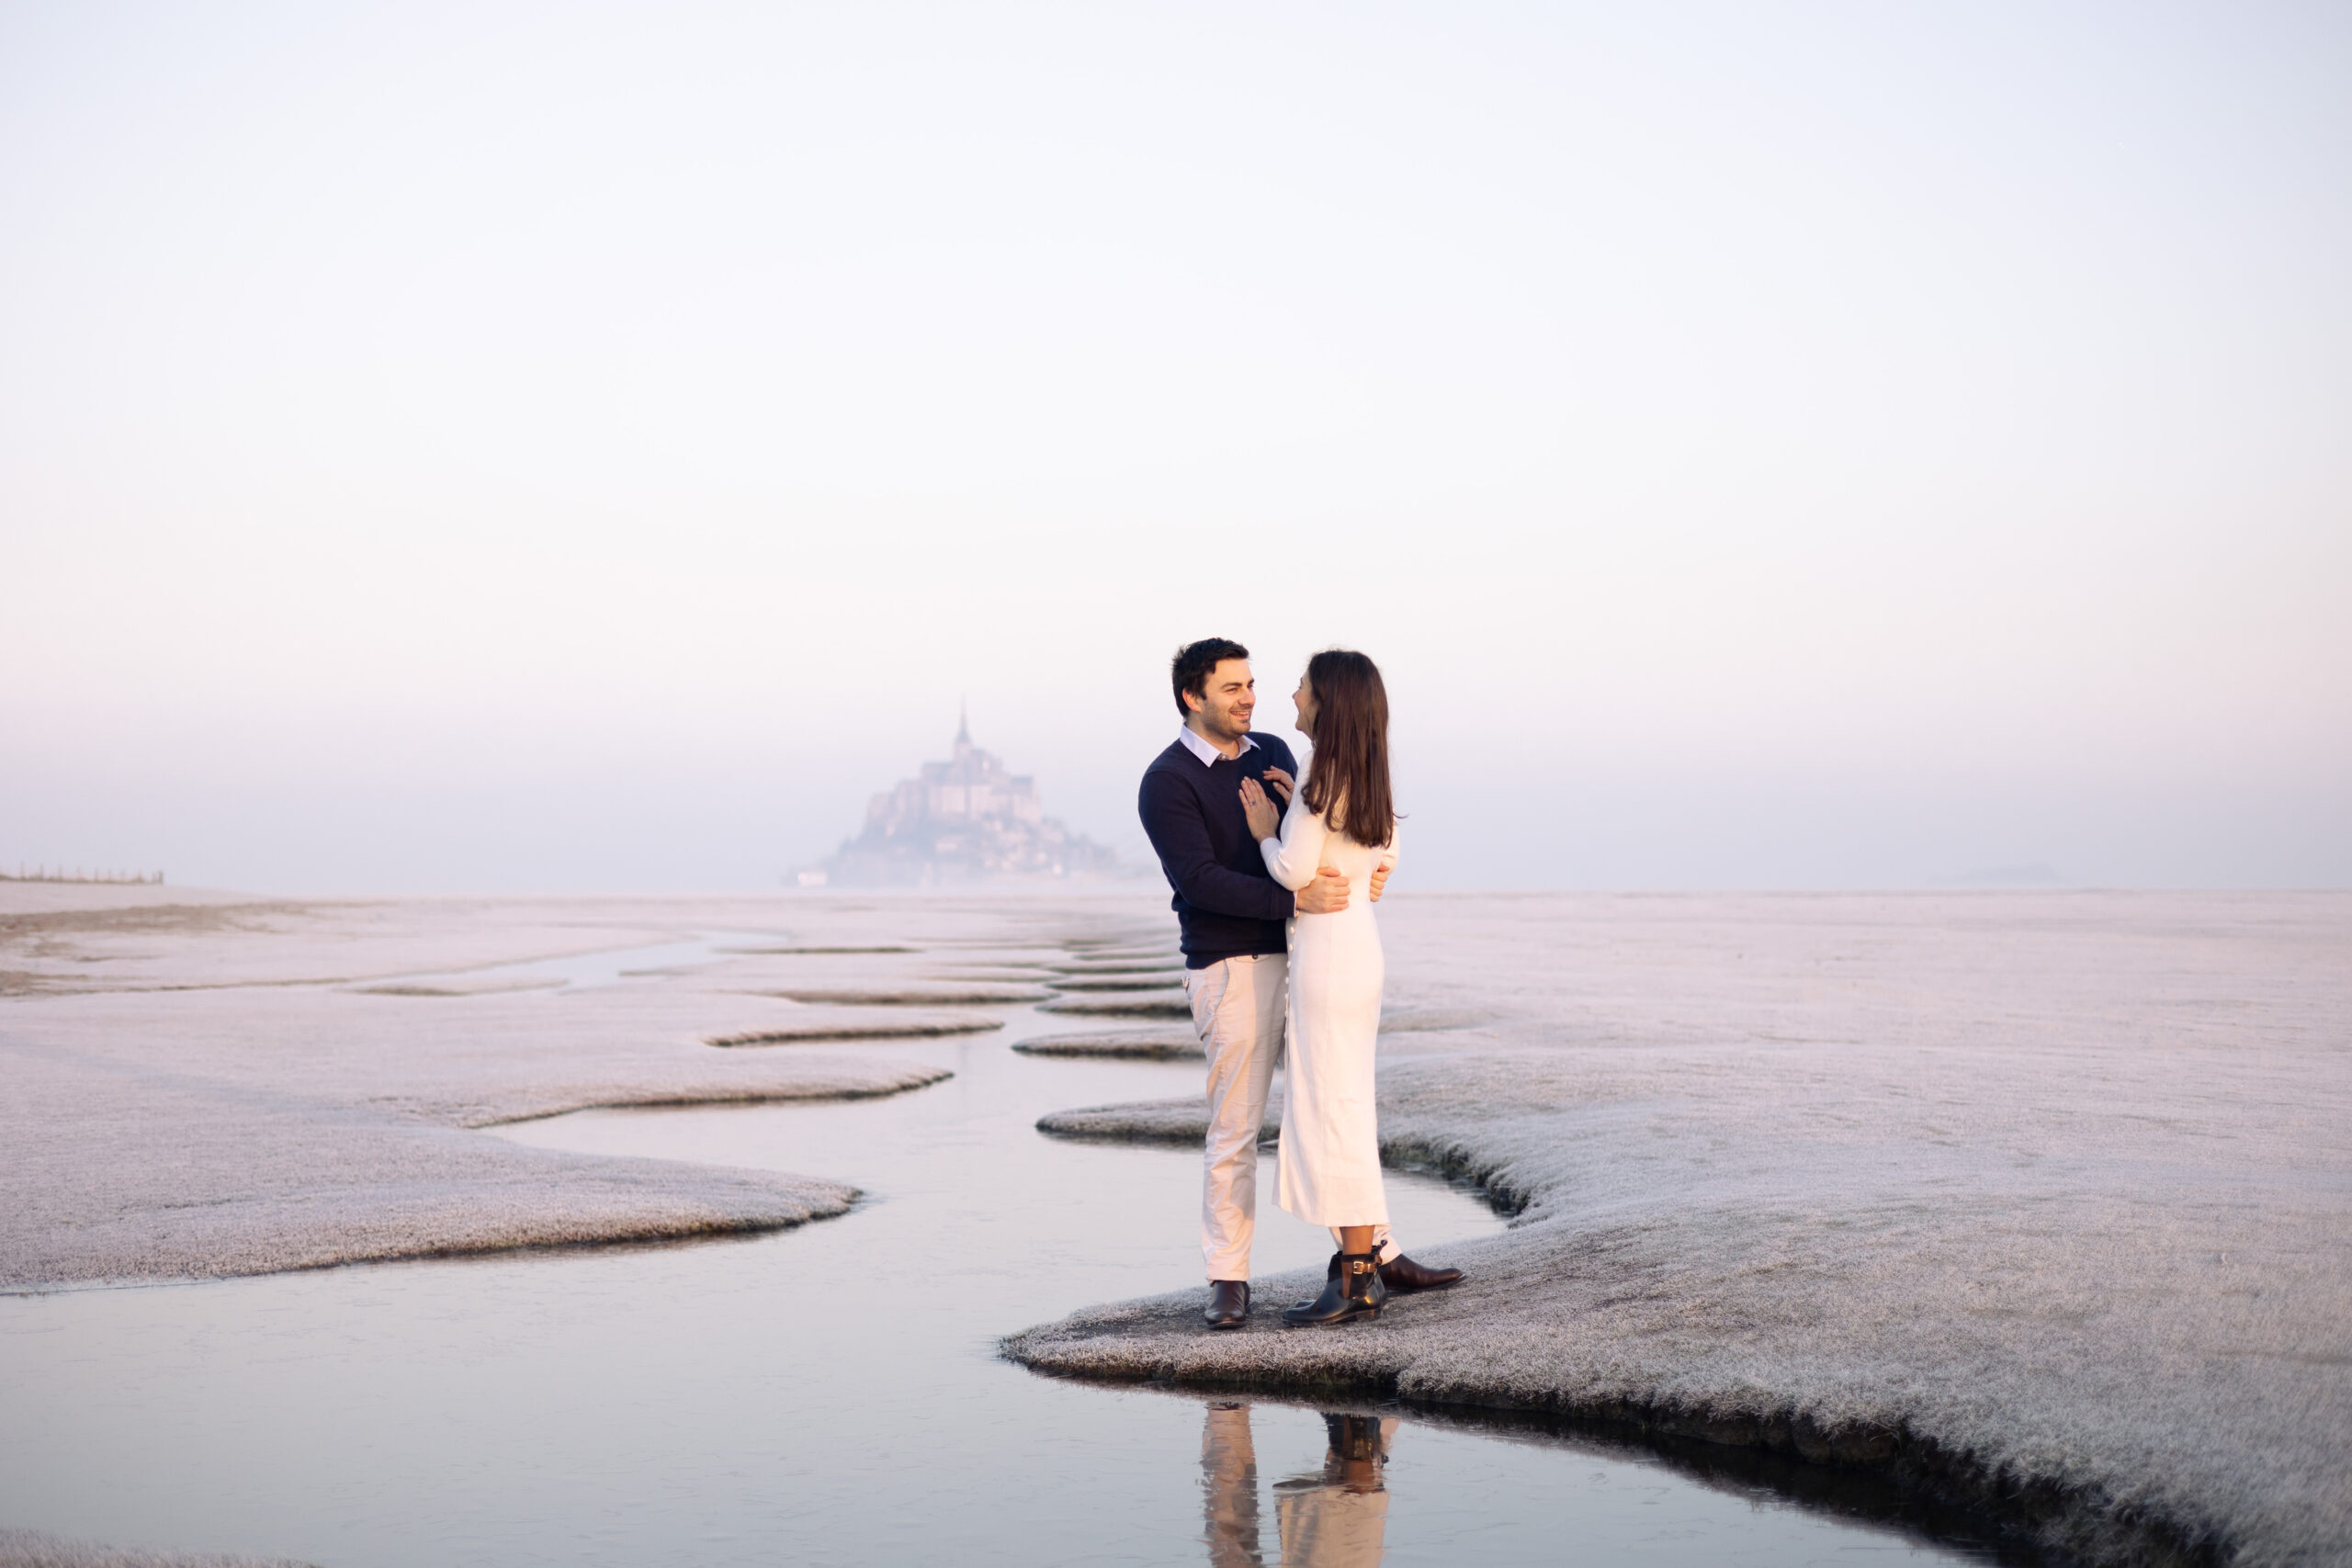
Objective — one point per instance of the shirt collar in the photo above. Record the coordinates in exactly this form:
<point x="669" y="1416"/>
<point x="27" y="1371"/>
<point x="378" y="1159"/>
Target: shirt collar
<point x="1208" y="753"/>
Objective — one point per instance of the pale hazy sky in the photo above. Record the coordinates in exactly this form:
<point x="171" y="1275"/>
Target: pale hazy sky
<point x="583" y="447"/>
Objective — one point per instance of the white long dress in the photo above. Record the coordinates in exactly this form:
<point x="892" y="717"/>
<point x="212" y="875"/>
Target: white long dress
<point x="1330" y="1149"/>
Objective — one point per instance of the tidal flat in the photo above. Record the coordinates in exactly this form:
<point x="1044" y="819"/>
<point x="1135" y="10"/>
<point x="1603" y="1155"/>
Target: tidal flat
<point x="1989" y="1225"/>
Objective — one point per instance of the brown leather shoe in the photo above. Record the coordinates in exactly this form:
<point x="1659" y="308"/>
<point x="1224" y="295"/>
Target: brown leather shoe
<point x="1404" y="1276"/>
<point x="1229" y="1304"/>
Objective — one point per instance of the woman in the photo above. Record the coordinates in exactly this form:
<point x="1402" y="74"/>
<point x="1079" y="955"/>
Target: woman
<point x="1343" y="817"/>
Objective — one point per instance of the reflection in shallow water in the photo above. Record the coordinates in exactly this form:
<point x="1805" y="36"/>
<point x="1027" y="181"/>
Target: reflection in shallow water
<point x="829" y="1396"/>
<point x="1339" y="1518"/>
<point x="1333" y="1517"/>
<point x="1229" y="1487"/>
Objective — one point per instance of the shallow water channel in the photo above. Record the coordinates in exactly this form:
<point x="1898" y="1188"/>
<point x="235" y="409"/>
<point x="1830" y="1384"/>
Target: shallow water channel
<point x="829" y="1395"/>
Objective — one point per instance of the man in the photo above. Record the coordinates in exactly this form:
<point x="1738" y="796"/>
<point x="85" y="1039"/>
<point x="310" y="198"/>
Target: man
<point x="1233" y="916"/>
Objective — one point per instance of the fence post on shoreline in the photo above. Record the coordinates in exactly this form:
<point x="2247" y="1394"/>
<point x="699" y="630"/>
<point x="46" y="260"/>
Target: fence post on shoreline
<point x="44" y="871"/>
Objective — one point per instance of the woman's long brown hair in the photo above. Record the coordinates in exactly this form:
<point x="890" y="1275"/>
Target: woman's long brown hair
<point x="1348" y="780"/>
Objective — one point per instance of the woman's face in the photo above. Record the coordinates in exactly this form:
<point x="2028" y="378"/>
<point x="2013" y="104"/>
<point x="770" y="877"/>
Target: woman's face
<point x="1303" y="700"/>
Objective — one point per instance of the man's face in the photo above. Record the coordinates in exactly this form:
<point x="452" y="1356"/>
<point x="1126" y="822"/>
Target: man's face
<point x="1230" y="692"/>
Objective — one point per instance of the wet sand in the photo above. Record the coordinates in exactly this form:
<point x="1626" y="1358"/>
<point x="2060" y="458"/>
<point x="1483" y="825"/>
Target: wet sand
<point x="827" y="1395"/>
<point x="201" y="1088"/>
<point x="2038" y="1202"/>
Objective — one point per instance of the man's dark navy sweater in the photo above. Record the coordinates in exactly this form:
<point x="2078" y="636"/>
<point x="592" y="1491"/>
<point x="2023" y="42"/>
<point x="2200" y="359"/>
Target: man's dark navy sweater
<point x="1225" y="902"/>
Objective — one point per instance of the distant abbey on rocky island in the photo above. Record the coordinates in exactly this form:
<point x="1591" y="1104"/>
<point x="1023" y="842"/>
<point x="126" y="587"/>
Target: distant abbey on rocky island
<point x="962" y="820"/>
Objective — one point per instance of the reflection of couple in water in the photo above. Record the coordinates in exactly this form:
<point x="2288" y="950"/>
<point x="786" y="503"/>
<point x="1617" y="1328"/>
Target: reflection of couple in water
<point x="1276" y="903"/>
<point x="1335" y="1519"/>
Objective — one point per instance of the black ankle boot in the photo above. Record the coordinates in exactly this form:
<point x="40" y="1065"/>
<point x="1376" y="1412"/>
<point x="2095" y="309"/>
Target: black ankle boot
<point x="1352" y="1291"/>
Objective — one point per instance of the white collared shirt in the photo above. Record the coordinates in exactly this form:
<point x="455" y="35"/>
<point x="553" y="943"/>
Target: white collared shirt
<point x="1207" y="753"/>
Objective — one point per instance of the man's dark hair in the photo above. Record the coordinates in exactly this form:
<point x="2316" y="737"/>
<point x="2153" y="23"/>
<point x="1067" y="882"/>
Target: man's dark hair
<point x="1196" y="663"/>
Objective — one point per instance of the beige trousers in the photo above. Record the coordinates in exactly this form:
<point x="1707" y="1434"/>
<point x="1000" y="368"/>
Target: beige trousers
<point x="1239" y="1006"/>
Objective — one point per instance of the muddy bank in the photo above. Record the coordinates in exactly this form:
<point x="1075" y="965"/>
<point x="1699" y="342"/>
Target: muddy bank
<point x="1163" y="1044"/>
<point x="212" y="1086"/>
<point x="2041" y="1203"/>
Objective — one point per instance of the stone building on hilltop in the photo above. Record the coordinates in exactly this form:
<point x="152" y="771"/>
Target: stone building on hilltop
<point x="962" y="820"/>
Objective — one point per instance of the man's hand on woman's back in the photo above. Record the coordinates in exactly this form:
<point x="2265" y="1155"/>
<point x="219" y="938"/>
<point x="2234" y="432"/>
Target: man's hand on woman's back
<point x="1327" y="895"/>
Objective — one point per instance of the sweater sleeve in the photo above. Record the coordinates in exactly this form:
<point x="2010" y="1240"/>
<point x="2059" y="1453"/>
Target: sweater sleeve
<point x="1171" y="819"/>
<point x="1293" y="858"/>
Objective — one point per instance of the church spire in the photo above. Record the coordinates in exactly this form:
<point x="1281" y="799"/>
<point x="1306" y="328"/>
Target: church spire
<point x="964" y="721"/>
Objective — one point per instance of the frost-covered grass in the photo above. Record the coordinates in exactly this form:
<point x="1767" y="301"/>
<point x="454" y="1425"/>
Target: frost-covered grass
<point x="2043" y="1201"/>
